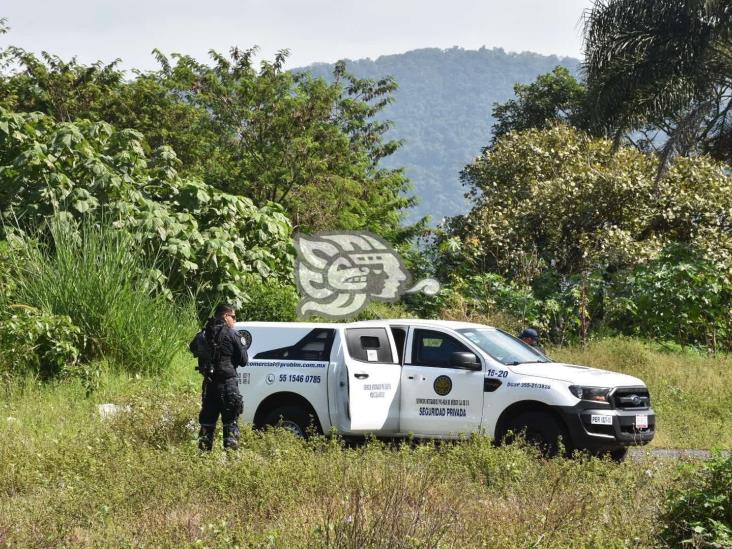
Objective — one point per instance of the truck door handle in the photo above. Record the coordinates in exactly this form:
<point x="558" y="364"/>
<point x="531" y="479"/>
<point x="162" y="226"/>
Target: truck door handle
<point x="360" y="376"/>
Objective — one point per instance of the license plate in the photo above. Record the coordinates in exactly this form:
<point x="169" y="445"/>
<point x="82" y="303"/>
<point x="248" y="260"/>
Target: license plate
<point x="641" y="422"/>
<point x="601" y="420"/>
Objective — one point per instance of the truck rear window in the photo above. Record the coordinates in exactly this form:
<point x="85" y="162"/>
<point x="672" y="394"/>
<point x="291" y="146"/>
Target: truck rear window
<point x="316" y="345"/>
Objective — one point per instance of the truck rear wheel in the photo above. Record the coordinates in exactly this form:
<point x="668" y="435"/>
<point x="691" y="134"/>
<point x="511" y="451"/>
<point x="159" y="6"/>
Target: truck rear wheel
<point x="293" y="419"/>
<point x="538" y="429"/>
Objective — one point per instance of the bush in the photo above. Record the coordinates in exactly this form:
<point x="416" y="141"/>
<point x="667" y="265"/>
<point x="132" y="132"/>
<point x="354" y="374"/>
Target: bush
<point x="37" y="342"/>
<point x="679" y="296"/>
<point x="196" y="236"/>
<point x="555" y="310"/>
<point x="94" y="276"/>
<point x="269" y="302"/>
<point x="700" y="515"/>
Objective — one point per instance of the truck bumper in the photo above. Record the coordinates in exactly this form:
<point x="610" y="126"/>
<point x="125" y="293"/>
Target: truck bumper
<point x="623" y="428"/>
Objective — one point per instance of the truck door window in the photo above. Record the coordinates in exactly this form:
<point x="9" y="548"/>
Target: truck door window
<point x="315" y="345"/>
<point x="369" y="344"/>
<point x="431" y="348"/>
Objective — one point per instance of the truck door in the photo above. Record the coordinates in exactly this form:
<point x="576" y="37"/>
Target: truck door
<point x="373" y="381"/>
<point x="440" y="395"/>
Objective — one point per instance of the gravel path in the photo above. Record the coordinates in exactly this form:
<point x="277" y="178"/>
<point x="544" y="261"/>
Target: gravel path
<point x="671" y="453"/>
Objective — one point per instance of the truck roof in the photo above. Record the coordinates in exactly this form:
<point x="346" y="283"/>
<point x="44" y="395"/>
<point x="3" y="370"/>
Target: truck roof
<point x="454" y="324"/>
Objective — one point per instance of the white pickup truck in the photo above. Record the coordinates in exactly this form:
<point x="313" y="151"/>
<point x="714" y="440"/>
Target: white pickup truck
<point x="436" y="379"/>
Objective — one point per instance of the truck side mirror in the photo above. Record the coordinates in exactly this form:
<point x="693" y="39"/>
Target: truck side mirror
<point x="465" y="360"/>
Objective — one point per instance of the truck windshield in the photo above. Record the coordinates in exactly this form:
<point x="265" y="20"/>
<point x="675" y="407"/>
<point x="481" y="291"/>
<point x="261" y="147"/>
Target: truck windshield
<point x="503" y="347"/>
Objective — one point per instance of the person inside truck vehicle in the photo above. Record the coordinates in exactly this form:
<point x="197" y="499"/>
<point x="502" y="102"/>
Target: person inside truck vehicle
<point x="531" y="337"/>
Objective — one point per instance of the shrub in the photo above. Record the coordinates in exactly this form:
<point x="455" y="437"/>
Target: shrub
<point x="38" y="342"/>
<point x="269" y="302"/>
<point x="195" y="235"/>
<point x="679" y="296"/>
<point x="700" y="514"/>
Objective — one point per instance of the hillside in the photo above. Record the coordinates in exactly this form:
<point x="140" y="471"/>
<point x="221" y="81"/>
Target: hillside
<point x="443" y="109"/>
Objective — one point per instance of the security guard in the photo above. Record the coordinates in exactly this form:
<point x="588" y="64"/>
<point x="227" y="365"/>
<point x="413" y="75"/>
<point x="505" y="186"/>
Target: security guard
<point x="531" y="337"/>
<point x="219" y="351"/>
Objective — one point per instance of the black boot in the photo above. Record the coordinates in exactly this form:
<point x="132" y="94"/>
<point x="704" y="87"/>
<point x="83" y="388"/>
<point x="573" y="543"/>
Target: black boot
<point x="231" y="436"/>
<point x="206" y="438"/>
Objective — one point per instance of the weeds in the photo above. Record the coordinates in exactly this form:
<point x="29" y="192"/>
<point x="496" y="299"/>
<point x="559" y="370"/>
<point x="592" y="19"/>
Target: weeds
<point x="91" y="276"/>
<point x="71" y="478"/>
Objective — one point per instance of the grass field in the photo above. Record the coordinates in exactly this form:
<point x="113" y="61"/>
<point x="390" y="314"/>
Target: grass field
<point x="691" y="392"/>
<point x="71" y="478"/>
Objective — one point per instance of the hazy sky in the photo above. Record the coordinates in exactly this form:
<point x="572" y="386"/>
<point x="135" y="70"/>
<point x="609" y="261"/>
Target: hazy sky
<point x="313" y="30"/>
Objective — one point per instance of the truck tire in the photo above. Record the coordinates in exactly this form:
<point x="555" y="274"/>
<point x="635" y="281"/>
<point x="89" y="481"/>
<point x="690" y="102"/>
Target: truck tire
<point x="538" y="429"/>
<point x="618" y="454"/>
<point x="293" y="419"/>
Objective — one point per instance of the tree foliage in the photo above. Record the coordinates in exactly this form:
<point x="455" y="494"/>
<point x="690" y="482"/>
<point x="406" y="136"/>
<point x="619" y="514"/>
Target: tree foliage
<point x="552" y="97"/>
<point x="261" y="132"/>
<point x="562" y="199"/>
<point x="677" y="296"/>
<point x="206" y="240"/>
<point x="665" y="64"/>
<point x="589" y="230"/>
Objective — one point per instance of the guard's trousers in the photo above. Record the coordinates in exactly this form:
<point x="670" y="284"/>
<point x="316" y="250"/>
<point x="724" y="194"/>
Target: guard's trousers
<point x="220" y="398"/>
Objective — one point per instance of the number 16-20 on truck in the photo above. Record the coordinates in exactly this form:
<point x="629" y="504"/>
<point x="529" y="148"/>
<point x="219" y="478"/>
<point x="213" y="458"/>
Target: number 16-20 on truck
<point x="435" y="379"/>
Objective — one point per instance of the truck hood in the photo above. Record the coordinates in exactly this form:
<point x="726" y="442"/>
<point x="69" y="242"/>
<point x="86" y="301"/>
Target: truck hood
<point x="577" y="375"/>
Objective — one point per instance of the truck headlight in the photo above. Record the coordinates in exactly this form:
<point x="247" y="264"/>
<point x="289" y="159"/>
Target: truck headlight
<point x="595" y="394"/>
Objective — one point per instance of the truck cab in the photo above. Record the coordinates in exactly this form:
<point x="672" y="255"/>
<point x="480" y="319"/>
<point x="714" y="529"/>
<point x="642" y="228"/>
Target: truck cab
<point x="435" y="379"/>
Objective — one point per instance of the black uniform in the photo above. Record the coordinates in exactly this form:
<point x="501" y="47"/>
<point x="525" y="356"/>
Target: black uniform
<point x="219" y="351"/>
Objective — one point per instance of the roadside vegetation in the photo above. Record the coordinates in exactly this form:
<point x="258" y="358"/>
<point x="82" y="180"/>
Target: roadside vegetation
<point x="73" y="478"/>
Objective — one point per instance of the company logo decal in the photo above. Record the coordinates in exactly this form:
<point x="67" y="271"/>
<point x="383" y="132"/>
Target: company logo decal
<point x="246" y="338"/>
<point x="442" y="385"/>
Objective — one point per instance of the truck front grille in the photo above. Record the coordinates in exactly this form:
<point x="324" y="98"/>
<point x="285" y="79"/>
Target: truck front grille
<point x="630" y="398"/>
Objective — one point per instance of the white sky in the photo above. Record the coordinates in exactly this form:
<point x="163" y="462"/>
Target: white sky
<point x="313" y="30"/>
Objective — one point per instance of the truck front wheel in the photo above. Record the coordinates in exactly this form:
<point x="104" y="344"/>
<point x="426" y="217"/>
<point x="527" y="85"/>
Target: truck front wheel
<point x="293" y="419"/>
<point x="538" y="429"/>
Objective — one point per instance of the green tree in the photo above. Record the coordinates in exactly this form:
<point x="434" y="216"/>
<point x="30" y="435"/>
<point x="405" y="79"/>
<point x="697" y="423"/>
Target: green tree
<point x="556" y="96"/>
<point x="559" y="199"/>
<point x="264" y="133"/>
<point x="206" y="240"/>
<point x="666" y="64"/>
<point x="677" y="296"/>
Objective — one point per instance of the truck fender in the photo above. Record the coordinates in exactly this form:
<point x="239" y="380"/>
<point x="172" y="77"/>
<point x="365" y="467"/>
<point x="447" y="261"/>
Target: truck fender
<point x="522" y="407"/>
<point x="281" y="400"/>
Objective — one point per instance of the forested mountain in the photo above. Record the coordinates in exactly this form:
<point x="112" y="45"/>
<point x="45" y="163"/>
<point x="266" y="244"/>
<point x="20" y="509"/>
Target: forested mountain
<point x="442" y="111"/>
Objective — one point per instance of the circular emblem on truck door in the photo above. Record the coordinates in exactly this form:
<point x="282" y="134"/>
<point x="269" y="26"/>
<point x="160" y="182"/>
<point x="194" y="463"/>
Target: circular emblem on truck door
<point x="442" y="385"/>
<point x="246" y="338"/>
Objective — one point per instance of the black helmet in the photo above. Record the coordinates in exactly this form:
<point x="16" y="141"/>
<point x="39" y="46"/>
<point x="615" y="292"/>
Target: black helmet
<point x="529" y="332"/>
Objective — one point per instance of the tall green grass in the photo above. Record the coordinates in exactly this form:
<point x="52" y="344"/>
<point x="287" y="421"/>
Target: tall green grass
<point x="96" y="275"/>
